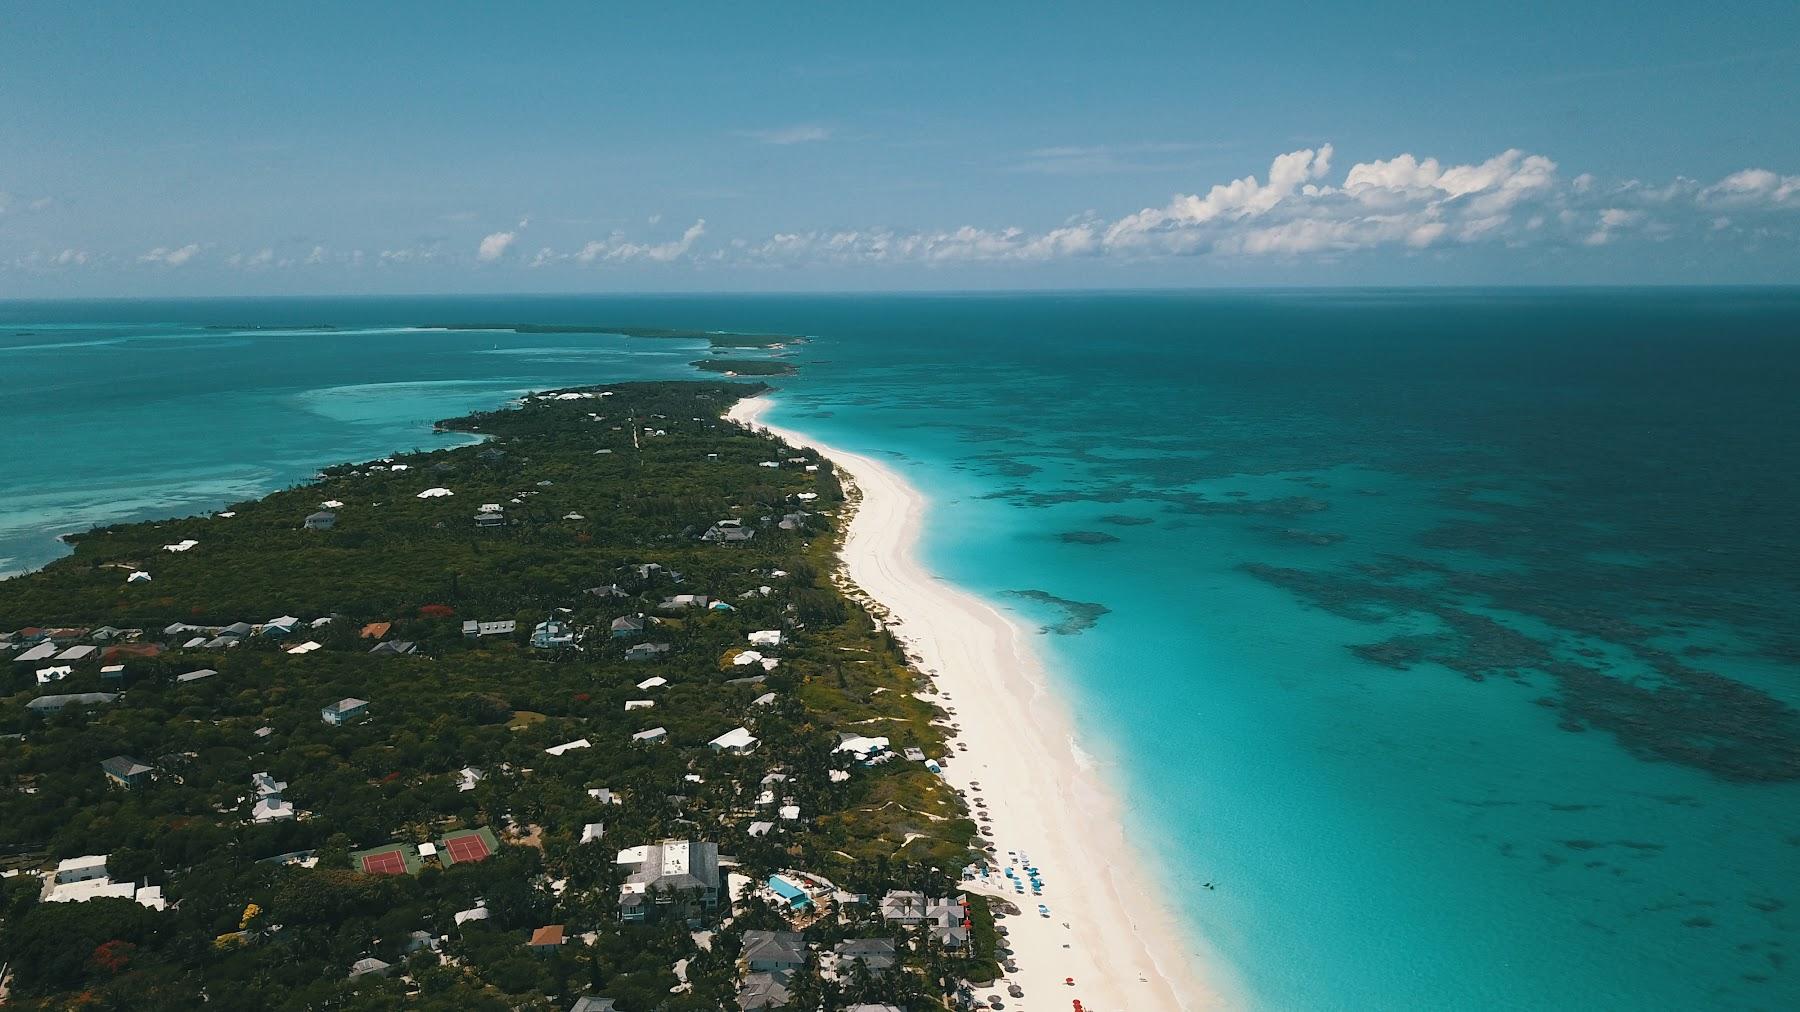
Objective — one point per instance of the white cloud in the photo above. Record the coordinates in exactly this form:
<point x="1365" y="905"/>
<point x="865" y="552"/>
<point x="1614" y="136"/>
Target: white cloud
<point x="618" y="249"/>
<point x="171" y="256"/>
<point x="1752" y="186"/>
<point x="800" y="133"/>
<point x="1613" y="220"/>
<point x="253" y="261"/>
<point x="1406" y="202"/>
<point x="494" y="245"/>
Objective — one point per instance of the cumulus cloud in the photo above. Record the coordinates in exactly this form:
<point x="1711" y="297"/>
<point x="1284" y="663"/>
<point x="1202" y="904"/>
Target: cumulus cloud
<point x="800" y="133"/>
<point x="1753" y="186"/>
<point x="494" y="245"/>
<point x="167" y="256"/>
<point x="1406" y="203"/>
<point x="618" y="249"/>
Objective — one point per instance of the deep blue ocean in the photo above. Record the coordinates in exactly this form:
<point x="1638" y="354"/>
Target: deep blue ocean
<point x="1455" y="635"/>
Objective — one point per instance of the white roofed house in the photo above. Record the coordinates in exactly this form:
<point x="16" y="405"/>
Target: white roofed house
<point x="655" y="734"/>
<point x="271" y="809"/>
<point x="79" y="879"/>
<point x="737" y="741"/>
<point x="865" y="749"/>
<point x="80" y="869"/>
<point x="673" y="877"/>
<point x="38" y="652"/>
<point x="766" y="638"/>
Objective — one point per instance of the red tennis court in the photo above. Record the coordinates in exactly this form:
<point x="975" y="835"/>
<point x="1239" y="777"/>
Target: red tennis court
<point x="388" y="862"/>
<point x="467" y="848"/>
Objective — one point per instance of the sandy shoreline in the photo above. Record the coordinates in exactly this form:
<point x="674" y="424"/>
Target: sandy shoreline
<point x="1107" y="928"/>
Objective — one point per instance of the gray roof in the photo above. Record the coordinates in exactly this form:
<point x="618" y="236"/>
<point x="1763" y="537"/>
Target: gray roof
<point x="395" y="647"/>
<point x="780" y="948"/>
<point x="765" y="990"/>
<point x="53" y="703"/>
<point x="368" y="964"/>
<point x="590" y="1003"/>
<point x="702" y="867"/>
<point x="874" y="953"/>
<point x="123" y="766"/>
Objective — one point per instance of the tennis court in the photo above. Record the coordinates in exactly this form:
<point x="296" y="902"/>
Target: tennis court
<point x="386" y="863"/>
<point x="393" y="859"/>
<point x="469" y="845"/>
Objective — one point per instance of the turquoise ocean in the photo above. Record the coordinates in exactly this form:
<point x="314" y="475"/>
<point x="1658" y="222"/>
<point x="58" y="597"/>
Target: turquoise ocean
<point x="1454" y="635"/>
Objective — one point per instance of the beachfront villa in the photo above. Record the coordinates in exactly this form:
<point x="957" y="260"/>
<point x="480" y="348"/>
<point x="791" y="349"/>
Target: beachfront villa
<point x="673" y="877"/>
<point x="865" y="749"/>
<point x="943" y="917"/>
<point x="878" y="955"/>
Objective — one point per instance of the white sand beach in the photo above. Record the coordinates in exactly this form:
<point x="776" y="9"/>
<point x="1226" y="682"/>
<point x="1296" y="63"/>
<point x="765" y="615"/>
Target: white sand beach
<point x="1109" y="928"/>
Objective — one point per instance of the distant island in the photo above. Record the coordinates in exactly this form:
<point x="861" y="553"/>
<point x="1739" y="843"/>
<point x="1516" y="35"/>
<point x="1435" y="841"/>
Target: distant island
<point x="719" y="339"/>
<point x="746" y="366"/>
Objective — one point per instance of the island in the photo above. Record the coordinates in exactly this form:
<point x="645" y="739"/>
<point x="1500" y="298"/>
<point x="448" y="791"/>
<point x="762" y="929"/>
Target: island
<point x="575" y="715"/>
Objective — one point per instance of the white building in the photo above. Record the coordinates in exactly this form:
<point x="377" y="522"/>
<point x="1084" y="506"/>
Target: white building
<point x="344" y="711"/>
<point x="736" y="741"/>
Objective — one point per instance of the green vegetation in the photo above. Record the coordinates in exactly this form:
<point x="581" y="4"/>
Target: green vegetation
<point x="746" y="366"/>
<point x="605" y="493"/>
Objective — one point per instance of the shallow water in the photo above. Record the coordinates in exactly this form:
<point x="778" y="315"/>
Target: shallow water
<point x="1452" y="634"/>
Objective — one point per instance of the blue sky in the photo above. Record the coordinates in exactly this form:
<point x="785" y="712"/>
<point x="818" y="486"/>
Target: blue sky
<point x="147" y="149"/>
